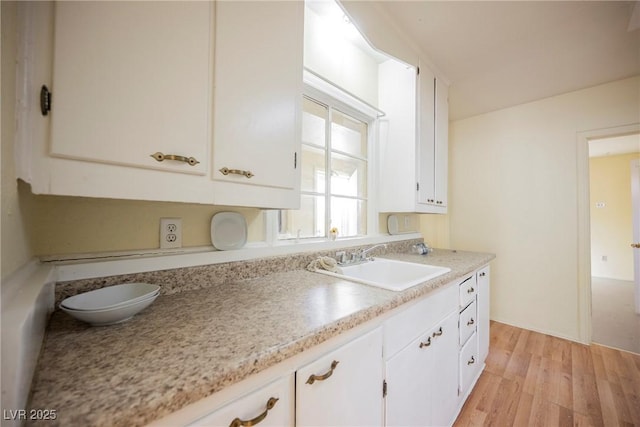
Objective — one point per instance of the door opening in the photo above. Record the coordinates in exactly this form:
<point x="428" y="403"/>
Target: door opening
<point x="614" y="183"/>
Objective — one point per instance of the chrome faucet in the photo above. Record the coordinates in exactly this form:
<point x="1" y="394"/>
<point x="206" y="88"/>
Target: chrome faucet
<point x="362" y="255"/>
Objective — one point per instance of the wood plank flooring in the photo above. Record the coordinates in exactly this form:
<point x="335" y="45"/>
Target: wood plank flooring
<point x="532" y="379"/>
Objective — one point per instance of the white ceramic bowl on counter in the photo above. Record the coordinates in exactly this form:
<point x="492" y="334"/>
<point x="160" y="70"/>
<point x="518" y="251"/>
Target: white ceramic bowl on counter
<point x="113" y="304"/>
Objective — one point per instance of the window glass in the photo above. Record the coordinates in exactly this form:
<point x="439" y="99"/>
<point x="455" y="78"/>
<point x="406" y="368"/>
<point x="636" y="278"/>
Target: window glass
<point x="348" y="135"/>
<point x="340" y="155"/>
<point x="348" y="176"/>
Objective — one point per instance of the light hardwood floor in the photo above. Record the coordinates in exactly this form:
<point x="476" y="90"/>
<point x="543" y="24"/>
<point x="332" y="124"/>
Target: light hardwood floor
<point x="532" y="379"/>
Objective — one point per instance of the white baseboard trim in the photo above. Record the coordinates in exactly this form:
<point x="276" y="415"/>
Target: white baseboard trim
<point x="542" y="331"/>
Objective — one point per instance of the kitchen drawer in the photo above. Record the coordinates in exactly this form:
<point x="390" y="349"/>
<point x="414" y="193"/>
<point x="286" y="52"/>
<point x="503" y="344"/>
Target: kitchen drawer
<point x="468" y="291"/>
<point x="404" y="327"/>
<point x="469" y="364"/>
<point x="256" y="404"/>
<point x="468" y="321"/>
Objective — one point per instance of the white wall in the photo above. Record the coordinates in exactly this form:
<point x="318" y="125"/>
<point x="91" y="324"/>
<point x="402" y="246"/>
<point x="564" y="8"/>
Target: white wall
<point x="16" y="245"/>
<point x="327" y="53"/>
<point x="513" y="188"/>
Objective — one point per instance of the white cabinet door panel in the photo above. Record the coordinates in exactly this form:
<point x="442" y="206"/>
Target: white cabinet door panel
<point x="445" y="371"/>
<point x="426" y="132"/>
<point x="351" y="393"/>
<point x="483" y="313"/>
<point x="408" y="401"/>
<point x="131" y="79"/>
<point x="468" y="323"/>
<point x="258" y="91"/>
<point x="256" y="405"/>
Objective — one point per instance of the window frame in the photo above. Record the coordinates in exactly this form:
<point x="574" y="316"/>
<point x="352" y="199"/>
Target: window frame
<point x="351" y="106"/>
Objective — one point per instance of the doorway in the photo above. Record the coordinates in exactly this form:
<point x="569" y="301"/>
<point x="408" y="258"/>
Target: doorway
<point x="614" y="182"/>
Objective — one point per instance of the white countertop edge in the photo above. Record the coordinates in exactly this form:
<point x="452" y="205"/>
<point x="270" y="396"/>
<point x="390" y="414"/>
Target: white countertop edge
<point x="154" y="261"/>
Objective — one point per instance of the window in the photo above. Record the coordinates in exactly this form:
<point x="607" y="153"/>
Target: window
<point x="334" y="174"/>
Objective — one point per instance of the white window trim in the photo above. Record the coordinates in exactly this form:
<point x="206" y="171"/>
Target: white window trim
<point x="324" y="92"/>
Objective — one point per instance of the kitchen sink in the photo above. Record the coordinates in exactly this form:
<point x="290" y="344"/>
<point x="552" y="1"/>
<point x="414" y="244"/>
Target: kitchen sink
<point x="389" y="274"/>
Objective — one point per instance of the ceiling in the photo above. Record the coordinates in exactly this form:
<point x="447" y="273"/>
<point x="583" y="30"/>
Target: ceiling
<point x="497" y="54"/>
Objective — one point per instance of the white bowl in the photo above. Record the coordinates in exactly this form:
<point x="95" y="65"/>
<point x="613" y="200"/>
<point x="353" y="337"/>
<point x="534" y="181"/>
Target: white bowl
<point x="110" y="316"/>
<point x="111" y="296"/>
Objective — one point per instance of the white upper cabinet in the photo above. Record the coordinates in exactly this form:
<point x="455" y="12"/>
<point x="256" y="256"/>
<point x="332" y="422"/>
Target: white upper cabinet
<point x="128" y="80"/>
<point x="257" y="108"/>
<point x="131" y="79"/>
<point x="135" y="114"/>
<point x="413" y="140"/>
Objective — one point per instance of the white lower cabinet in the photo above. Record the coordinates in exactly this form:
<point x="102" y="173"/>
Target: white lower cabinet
<point x="414" y="367"/>
<point x="422" y="386"/>
<point x="344" y="387"/>
<point x="271" y="405"/>
<point x="483" y="313"/>
<point x="469" y="364"/>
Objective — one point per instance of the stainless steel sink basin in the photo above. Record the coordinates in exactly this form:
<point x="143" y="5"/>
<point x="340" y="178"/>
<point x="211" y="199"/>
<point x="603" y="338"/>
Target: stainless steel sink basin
<point x="389" y="274"/>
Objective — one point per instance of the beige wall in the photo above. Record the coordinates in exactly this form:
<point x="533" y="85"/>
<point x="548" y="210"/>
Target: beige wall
<point x="69" y="225"/>
<point x="16" y="245"/>
<point x="611" y="225"/>
<point x="513" y="186"/>
<point x="435" y="230"/>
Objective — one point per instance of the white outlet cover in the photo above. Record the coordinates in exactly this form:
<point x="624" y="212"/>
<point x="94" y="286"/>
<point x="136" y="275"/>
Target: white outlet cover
<point x="170" y="233"/>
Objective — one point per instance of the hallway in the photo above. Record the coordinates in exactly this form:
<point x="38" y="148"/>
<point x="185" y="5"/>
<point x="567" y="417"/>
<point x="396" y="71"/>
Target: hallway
<point x="614" y="321"/>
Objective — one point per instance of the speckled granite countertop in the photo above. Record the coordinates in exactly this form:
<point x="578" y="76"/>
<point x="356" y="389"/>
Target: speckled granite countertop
<point x="191" y="344"/>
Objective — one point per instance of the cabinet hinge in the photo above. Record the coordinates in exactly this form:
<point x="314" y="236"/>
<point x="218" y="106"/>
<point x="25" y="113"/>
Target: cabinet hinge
<point x="418" y="71"/>
<point x="417" y="186"/>
<point x="295" y="159"/>
<point x="384" y="388"/>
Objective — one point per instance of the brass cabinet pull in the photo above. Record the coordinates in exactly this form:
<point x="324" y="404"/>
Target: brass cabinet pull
<point x="470" y="290"/>
<point x="426" y="344"/>
<point x="482" y="274"/>
<point x="635" y="245"/>
<point x="226" y="171"/>
<point x="472" y="361"/>
<point x="471" y="322"/>
<point x="314" y="378"/>
<point x="162" y="157"/>
<point x="438" y="332"/>
<point x="247" y="423"/>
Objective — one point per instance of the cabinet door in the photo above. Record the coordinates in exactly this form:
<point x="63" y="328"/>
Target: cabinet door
<point x="343" y="388"/>
<point x="257" y="98"/>
<point x="397" y="175"/>
<point x="441" y="142"/>
<point x="131" y="79"/>
<point x="470" y="366"/>
<point x="426" y="136"/>
<point x="272" y="405"/>
<point x="483" y="313"/>
<point x="408" y="400"/>
<point x="444" y="379"/>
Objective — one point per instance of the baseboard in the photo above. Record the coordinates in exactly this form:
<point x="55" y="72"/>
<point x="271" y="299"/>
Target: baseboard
<point x="542" y="331"/>
<point x="27" y="302"/>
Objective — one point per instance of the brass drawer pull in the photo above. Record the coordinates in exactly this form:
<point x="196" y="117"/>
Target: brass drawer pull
<point x="470" y="290"/>
<point x="471" y="322"/>
<point x="242" y="423"/>
<point x="472" y="361"/>
<point x="162" y="157"/>
<point x="426" y="344"/>
<point x="226" y="171"/>
<point x="438" y="332"/>
<point x="635" y="245"/>
<point x="314" y="378"/>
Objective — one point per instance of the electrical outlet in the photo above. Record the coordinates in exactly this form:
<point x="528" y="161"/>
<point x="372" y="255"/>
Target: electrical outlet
<point x="170" y="233"/>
